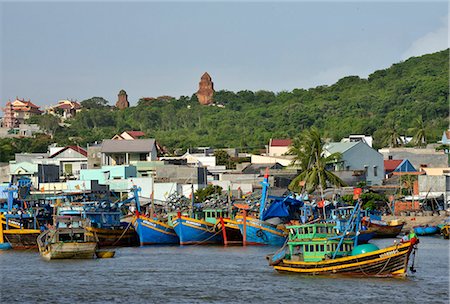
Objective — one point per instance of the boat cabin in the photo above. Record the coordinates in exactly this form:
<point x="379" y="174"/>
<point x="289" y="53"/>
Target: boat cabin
<point x="317" y="242"/>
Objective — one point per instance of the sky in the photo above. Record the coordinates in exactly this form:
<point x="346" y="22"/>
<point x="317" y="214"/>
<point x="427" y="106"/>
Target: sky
<point x="59" y="50"/>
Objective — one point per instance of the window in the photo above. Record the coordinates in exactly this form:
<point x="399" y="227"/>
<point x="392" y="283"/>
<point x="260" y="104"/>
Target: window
<point x="83" y="166"/>
<point x="143" y="157"/>
<point x="375" y="171"/>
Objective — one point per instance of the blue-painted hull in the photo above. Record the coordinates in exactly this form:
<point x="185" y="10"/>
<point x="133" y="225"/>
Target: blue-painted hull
<point x="260" y="233"/>
<point x="154" y="232"/>
<point x="428" y="230"/>
<point x="365" y="237"/>
<point x="192" y="231"/>
<point x="5" y="246"/>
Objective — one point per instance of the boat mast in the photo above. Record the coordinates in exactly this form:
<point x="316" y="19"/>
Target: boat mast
<point x="264" y="193"/>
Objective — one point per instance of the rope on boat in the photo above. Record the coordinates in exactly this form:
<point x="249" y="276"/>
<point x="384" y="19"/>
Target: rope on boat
<point x="123" y="233"/>
<point x="199" y="243"/>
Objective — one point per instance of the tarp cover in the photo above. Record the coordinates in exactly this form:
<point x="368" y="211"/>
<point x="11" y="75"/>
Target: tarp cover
<point x="282" y="207"/>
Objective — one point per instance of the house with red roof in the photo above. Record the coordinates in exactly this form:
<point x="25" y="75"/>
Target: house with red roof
<point x="278" y="147"/>
<point x="129" y="135"/>
<point x="17" y="111"/>
<point x="391" y="166"/>
<point x="65" y="109"/>
<point x="70" y="159"/>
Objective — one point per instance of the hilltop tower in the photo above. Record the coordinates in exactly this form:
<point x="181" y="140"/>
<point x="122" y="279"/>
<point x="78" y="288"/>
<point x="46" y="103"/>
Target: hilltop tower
<point x="205" y="90"/>
<point x="122" y="100"/>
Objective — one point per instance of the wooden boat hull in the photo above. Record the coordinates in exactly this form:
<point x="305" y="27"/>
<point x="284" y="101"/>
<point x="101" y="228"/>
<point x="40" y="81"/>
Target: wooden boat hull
<point x="426" y="230"/>
<point x="390" y="261"/>
<point x="383" y="231"/>
<point x="113" y="237"/>
<point x="259" y="233"/>
<point x="231" y="233"/>
<point x="69" y="251"/>
<point x="445" y="231"/>
<point x="151" y="231"/>
<point x="105" y="254"/>
<point x="22" y="238"/>
<point x="193" y="231"/>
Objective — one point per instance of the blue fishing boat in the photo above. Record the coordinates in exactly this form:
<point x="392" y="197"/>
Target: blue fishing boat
<point x="201" y="228"/>
<point x="426" y="230"/>
<point x="149" y="230"/>
<point x="269" y="228"/>
<point x="340" y="217"/>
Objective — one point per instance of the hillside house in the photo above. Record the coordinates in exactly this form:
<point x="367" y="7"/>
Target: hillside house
<point x="65" y="109"/>
<point x="122" y="152"/>
<point x="129" y="135"/>
<point x="358" y="158"/>
<point x="278" y="147"/>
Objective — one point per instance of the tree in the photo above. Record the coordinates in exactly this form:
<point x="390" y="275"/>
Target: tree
<point x="49" y="123"/>
<point x="420" y="137"/>
<point x="94" y="103"/>
<point x="202" y="194"/>
<point x="223" y="159"/>
<point x="309" y="156"/>
<point x="392" y="138"/>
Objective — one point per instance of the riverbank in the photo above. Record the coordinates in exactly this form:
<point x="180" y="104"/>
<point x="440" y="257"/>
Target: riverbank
<point x="412" y="221"/>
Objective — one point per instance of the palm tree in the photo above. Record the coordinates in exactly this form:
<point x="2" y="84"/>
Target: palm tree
<point x="420" y="137"/>
<point x="309" y="157"/>
<point x="393" y="138"/>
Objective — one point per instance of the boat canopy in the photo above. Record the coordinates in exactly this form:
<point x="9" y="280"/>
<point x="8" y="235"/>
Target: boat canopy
<point x="282" y="207"/>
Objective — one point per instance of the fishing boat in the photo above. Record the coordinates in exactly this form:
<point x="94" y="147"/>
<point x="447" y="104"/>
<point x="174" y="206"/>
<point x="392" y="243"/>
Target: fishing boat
<point x="67" y="240"/>
<point x="383" y="229"/>
<point x="426" y="230"/>
<point x="150" y="230"/>
<point x="340" y="218"/>
<point x="319" y="249"/>
<point x="231" y="234"/>
<point x="200" y="228"/>
<point x="19" y="220"/>
<point x="269" y="227"/>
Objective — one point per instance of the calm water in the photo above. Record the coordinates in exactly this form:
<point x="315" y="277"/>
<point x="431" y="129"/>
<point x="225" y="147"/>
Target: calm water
<point x="211" y="274"/>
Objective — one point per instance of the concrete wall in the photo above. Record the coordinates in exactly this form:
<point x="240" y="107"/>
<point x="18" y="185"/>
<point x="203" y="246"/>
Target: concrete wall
<point x="277" y="151"/>
<point x="4" y="173"/>
<point x="435" y="186"/>
<point x="260" y="159"/>
<point x="181" y="174"/>
<point x="94" y="157"/>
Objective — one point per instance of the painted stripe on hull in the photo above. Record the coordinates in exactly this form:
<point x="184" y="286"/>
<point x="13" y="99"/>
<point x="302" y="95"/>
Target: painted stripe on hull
<point x="261" y="234"/>
<point x="154" y="232"/>
<point x="391" y="261"/>
<point x="192" y="231"/>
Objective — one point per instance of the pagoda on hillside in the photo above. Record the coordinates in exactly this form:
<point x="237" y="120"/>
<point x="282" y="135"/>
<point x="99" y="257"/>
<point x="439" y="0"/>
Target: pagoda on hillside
<point x="17" y="111"/>
<point x="206" y="90"/>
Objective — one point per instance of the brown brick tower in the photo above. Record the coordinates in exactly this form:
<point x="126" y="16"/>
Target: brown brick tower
<point x="206" y="90"/>
<point x="122" y="101"/>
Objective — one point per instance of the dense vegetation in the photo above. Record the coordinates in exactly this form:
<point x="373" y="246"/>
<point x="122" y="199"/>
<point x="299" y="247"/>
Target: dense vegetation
<point x="388" y="103"/>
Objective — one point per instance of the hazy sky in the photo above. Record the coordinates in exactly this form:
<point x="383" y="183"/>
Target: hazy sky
<point x="57" y="50"/>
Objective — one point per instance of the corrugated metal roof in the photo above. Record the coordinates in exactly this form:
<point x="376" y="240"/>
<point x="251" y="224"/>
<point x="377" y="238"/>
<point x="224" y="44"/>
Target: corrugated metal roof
<point x="339" y="147"/>
<point x="123" y="146"/>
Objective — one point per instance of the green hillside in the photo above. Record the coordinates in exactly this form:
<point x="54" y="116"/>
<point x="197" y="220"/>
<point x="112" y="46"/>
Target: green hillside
<point x="390" y="98"/>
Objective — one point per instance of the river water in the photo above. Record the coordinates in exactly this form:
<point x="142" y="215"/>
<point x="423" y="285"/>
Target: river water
<point x="213" y="274"/>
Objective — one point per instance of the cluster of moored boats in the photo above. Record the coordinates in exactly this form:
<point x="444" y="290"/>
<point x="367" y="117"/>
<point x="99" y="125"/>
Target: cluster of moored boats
<point x="321" y="238"/>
